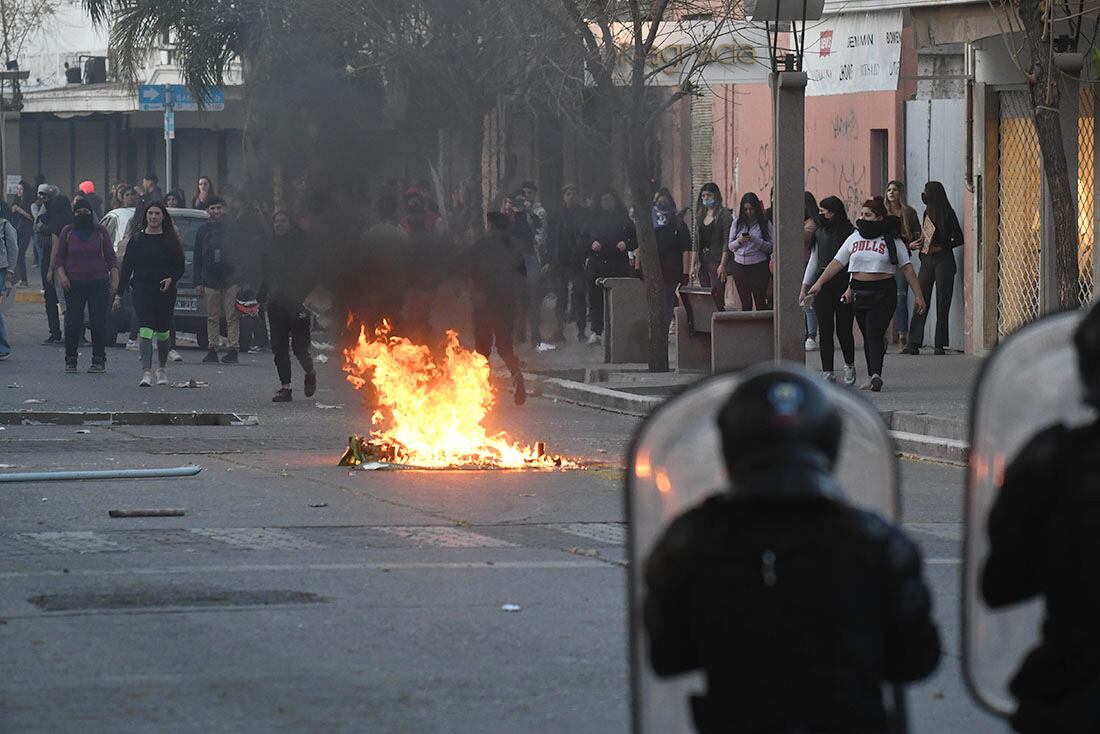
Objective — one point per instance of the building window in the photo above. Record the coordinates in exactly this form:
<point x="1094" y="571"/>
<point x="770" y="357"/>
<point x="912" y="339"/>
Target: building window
<point x="880" y="160"/>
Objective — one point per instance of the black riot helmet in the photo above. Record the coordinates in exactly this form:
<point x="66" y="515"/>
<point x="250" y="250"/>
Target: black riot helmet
<point x="776" y="416"/>
<point x="1087" y="341"/>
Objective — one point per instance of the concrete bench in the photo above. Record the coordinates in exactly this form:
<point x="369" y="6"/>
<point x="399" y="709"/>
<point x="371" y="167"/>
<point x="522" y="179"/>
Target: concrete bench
<point x="693" y="319"/>
<point x="740" y="339"/>
<point x="625" y="324"/>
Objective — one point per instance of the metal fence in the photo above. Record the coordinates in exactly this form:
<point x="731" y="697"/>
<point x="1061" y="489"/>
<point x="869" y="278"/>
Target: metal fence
<point x="1086" y="187"/>
<point x="1019" y="225"/>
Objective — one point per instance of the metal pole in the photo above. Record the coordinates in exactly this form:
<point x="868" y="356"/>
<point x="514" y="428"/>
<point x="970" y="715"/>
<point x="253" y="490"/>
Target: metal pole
<point x="168" y="140"/>
<point x="788" y="185"/>
<point x="66" y="476"/>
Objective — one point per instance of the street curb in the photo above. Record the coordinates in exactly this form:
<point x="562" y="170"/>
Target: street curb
<point x="917" y="435"/>
<point x="27" y="296"/>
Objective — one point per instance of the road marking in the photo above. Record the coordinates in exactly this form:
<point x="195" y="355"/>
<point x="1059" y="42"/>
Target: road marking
<point x="73" y="541"/>
<point x="611" y="533"/>
<point x="444" y="536"/>
<point x="320" y="567"/>
<point x="257" y="538"/>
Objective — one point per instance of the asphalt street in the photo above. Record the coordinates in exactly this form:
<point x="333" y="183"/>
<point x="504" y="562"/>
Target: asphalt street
<point x="297" y="596"/>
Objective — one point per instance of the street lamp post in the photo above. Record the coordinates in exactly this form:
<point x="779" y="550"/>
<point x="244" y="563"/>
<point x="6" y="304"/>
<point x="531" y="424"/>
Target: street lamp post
<point x="788" y="85"/>
<point x="6" y="75"/>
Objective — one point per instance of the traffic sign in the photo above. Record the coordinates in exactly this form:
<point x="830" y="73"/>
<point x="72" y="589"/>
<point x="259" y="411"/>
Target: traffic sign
<point x="169" y="125"/>
<point x="157" y="97"/>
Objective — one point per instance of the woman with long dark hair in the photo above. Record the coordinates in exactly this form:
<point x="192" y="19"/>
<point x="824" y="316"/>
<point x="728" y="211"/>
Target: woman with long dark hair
<point x="941" y="234"/>
<point x="205" y="191"/>
<point x="872" y="254"/>
<point x="153" y="265"/>
<point x="834" y="312"/>
<point x="897" y="206"/>
<point x="712" y="228"/>
<point x="749" y="249"/>
<point x="608" y="238"/>
<point x="288" y="279"/>
<point x="811" y="221"/>
<point x="23" y="221"/>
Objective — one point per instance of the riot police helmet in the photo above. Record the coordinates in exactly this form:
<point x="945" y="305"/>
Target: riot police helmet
<point x="778" y="415"/>
<point x="1087" y="342"/>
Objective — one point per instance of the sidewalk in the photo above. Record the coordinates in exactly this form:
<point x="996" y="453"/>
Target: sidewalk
<point x="925" y="401"/>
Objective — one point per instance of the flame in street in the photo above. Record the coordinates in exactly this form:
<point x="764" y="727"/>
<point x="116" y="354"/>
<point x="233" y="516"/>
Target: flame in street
<point x="428" y="413"/>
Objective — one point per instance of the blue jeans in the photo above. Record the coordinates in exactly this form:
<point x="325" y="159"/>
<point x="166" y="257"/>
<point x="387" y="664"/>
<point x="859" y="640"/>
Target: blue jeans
<point x="811" y="323"/>
<point x="5" y="347"/>
<point x="901" y="311"/>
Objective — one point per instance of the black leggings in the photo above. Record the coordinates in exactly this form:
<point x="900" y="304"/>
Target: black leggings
<point x="832" y="313"/>
<point x="752" y="284"/>
<point x="875" y="301"/>
<point x="935" y="270"/>
<point x="287" y="328"/>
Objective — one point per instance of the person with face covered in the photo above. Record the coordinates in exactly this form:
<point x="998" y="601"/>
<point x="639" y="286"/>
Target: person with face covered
<point x="713" y="221"/>
<point x="834" y="313"/>
<point x="86" y="267"/>
<point x="153" y="265"/>
<point x="289" y="277"/>
<point x="607" y="239"/>
<point x="873" y="254"/>
<point x="673" y="246"/>
<point x="942" y="234"/>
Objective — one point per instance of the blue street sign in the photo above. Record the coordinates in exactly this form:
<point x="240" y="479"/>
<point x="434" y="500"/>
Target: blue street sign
<point x="153" y="98"/>
<point x="169" y="125"/>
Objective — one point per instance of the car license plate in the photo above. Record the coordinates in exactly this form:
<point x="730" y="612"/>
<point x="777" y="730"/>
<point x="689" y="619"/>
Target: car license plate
<point x="187" y="304"/>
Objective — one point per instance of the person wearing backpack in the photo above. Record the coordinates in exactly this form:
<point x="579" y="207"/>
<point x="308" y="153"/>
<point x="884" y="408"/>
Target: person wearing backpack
<point x="86" y="266"/>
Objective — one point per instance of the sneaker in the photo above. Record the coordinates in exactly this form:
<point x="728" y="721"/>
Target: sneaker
<point x="146" y="379"/>
<point x="876" y="383"/>
<point x="23" y="284"/>
<point x="310" y="384"/>
<point x="162" y="376"/>
<point x="70" y="369"/>
<point x="829" y="376"/>
<point x="582" y="337"/>
<point x="4" y="355"/>
<point x="594" y="338"/>
<point x="97" y="368"/>
<point x="866" y="385"/>
<point x="849" y="374"/>
<point x="230" y="357"/>
<point x="211" y="357"/>
<point x="255" y="350"/>
<point x="545" y="347"/>
<point x="282" y="396"/>
<point x="53" y="340"/>
<point x="912" y="349"/>
<point x="811" y="344"/>
<point x="903" y="343"/>
<point x="132" y="345"/>
<point x="174" y="356"/>
<point x="940" y="351"/>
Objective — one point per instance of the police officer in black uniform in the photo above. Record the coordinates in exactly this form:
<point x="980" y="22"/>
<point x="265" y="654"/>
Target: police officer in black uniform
<point x="796" y="606"/>
<point x="1044" y="534"/>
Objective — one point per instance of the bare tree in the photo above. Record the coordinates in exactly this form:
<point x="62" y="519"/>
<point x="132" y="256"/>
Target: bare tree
<point x="22" y="19"/>
<point x="1033" y="31"/>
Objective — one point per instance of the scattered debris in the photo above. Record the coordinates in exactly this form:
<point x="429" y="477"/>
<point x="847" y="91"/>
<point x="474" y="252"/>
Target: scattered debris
<point x="322" y="346"/>
<point x="545" y="347"/>
<point x="601" y="451"/>
<point x="511" y="607"/>
<point x="321" y="359"/>
<point x="191" y="383"/>
<point x="15" y="385"/>
<point x="165" y="512"/>
<point x="7" y="466"/>
<point x="318" y="504"/>
<point x="82" y="430"/>
<point x="326" y="406"/>
<point x="245" y="420"/>
<point x="33" y="401"/>
<point x="373" y="466"/>
<point x="62" y="476"/>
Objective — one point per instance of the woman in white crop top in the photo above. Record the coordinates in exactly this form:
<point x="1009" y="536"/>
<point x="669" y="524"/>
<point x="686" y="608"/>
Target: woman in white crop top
<point x="873" y="254"/>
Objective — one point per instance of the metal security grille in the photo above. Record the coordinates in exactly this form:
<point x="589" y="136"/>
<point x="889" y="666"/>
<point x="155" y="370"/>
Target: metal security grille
<point x="1019" y="179"/>
<point x="1086" y="188"/>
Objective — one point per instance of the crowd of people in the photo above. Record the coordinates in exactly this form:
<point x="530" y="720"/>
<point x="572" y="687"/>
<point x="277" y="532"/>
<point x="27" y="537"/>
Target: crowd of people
<point x="249" y="273"/>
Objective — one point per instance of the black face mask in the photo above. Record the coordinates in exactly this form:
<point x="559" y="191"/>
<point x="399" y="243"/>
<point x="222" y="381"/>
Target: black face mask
<point x="83" y="220"/>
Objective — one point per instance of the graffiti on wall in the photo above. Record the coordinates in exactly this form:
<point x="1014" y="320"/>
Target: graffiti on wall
<point x="764" y="161"/>
<point x="844" y="181"/>
<point x="846" y="126"/>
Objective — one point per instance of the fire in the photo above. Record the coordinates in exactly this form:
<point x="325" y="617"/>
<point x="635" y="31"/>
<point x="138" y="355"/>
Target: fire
<point x="429" y="413"/>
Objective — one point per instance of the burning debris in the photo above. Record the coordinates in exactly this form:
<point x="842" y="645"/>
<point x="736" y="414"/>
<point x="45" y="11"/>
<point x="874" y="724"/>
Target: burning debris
<point x="429" y="411"/>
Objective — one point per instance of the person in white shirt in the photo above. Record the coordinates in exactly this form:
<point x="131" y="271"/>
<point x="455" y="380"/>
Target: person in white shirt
<point x="873" y="254"/>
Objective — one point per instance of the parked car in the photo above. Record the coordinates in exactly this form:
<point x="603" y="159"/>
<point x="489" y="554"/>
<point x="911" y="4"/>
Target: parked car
<point x="190" y="311"/>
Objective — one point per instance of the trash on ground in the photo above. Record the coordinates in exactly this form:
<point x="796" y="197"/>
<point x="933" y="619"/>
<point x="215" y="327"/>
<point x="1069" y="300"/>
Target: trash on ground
<point x="326" y="406"/>
<point x="159" y="512"/>
<point x="245" y="420"/>
<point x="318" y="504"/>
<point x="373" y="466"/>
<point x="322" y="346"/>
<point x="191" y="383"/>
<point x="510" y="607"/>
<point x="15" y="385"/>
<point x="33" y="401"/>
<point x="7" y="466"/>
<point x="82" y="430"/>
<point x="545" y="347"/>
<point x="321" y="359"/>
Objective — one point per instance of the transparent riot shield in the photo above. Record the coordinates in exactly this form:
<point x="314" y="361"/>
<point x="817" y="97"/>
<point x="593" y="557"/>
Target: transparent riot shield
<point x="1029" y="383"/>
<point x="675" y="463"/>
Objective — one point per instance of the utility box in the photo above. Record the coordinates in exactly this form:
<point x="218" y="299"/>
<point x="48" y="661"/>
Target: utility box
<point x="693" y="319"/>
<point x="740" y="339"/>
<point x="625" y="325"/>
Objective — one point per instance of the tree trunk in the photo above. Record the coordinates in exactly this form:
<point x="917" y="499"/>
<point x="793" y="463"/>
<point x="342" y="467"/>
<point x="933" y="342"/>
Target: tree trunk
<point x="641" y="198"/>
<point x="1045" y="93"/>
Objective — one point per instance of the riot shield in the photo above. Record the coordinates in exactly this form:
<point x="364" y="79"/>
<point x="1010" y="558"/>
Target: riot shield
<point x="1029" y="383"/>
<point x="675" y="463"/>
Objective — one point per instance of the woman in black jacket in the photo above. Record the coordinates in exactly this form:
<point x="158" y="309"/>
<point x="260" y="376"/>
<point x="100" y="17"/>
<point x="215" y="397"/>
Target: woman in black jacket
<point x="712" y="227"/>
<point x="673" y="246"/>
<point x="153" y="265"/>
<point x="833" y="229"/>
<point x="937" y="264"/>
<point x="609" y="235"/>
<point x="288" y="278"/>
